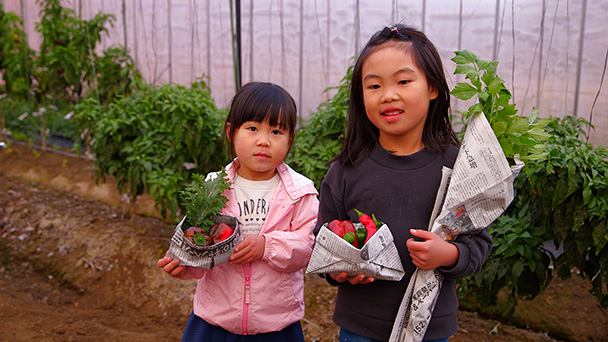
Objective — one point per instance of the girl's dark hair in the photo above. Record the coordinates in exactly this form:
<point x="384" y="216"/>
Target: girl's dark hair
<point x="261" y="101"/>
<point x="362" y="135"/>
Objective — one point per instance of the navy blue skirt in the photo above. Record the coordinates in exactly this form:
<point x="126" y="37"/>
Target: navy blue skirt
<point x="198" y="330"/>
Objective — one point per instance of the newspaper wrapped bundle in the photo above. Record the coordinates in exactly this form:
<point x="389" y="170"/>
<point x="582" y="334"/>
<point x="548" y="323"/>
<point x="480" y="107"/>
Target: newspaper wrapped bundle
<point x="471" y="196"/>
<point x="378" y="258"/>
<point x="191" y="254"/>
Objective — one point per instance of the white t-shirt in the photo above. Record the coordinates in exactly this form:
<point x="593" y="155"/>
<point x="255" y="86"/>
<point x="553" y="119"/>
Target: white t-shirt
<point x="253" y="198"/>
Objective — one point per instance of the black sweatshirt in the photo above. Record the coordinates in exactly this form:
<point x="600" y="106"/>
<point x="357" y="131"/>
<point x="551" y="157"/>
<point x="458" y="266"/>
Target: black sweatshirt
<point x="400" y="191"/>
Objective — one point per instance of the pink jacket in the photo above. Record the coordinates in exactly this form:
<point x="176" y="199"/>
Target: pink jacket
<point x="268" y="294"/>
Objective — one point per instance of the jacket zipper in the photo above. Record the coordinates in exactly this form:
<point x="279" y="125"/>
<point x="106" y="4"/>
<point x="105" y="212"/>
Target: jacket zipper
<point x="246" y="296"/>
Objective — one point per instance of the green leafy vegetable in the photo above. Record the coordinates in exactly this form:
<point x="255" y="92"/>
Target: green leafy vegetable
<point x="518" y="136"/>
<point x="203" y="199"/>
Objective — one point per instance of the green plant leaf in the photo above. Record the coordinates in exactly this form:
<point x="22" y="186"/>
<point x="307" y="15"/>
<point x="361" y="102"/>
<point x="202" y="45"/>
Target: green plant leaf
<point x="464" y="91"/>
<point x="560" y="193"/>
<point x="499" y="127"/>
<point x="538" y="134"/>
<point x="466" y="69"/>
<point x="518" y="267"/>
<point x="464" y="57"/>
<point x="204" y="198"/>
<point x="518" y="125"/>
<point x="600" y="236"/>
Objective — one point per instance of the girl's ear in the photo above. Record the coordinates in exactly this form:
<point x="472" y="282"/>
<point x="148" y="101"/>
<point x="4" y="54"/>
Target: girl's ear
<point x="433" y="93"/>
<point x="227" y="129"/>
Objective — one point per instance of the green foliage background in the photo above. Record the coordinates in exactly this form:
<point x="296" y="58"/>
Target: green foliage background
<point x="155" y="139"/>
<point x="42" y="87"/>
<point x="562" y="197"/>
<point x="320" y="139"/>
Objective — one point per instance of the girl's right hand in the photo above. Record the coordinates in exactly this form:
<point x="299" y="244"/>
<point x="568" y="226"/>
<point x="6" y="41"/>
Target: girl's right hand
<point x="250" y="249"/>
<point x="354" y="280"/>
<point x="171" y="266"/>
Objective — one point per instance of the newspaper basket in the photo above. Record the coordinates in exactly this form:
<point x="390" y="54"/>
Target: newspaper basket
<point x="205" y="257"/>
<point x="378" y="258"/>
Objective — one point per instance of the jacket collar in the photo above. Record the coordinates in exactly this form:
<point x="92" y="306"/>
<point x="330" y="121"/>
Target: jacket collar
<point x="295" y="184"/>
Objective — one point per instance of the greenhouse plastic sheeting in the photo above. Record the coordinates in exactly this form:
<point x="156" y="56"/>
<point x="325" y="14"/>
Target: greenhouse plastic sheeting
<point x="552" y="53"/>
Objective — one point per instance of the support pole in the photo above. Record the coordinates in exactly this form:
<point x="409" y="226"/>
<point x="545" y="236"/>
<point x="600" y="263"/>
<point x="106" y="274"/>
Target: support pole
<point x="579" y="66"/>
<point x="135" y="51"/>
<point x="540" y="58"/>
<point x="496" y="22"/>
<point x="301" y="66"/>
<point x="170" y="41"/>
<point x="460" y="26"/>
<point x="423" y="15"/>
<point x="239" y="78"/>
<point x="357" y="29"/>
<point x="124" y="26"/>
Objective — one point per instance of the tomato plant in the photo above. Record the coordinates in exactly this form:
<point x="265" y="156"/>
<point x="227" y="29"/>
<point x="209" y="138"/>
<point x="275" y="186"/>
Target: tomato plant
<point x="15" y="56"/>
<point x="63" y="71"/>
<point x="15" y="67"/>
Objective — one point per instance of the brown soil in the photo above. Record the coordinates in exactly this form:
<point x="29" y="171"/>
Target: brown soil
<point x="75" y="266"/>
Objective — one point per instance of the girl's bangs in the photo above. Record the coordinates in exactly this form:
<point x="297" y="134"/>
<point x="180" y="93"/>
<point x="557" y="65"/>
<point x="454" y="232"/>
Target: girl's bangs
<point x="277" y="114"/>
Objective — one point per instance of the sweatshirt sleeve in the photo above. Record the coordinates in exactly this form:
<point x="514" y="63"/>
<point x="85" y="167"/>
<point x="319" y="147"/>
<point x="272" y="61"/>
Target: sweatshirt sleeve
<point x="288" y="250"/>
<point x="474" y="249"/>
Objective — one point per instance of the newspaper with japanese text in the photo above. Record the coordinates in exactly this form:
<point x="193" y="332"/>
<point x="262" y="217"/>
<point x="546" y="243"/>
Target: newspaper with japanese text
<point x="190" y="254"/>
<point x="378" y="258"/>
<point x="472" y="195"/>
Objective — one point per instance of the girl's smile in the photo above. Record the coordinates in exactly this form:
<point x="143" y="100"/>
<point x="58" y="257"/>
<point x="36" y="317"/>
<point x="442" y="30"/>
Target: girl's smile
<point x="392" y="114"/>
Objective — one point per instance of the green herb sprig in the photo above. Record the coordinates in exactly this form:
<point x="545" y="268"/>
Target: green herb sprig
<point x="520" y="137"/>
<point x="203" y="199"/>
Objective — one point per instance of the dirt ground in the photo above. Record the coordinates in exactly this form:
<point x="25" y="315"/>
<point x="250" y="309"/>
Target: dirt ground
<point x="75" y="266"/>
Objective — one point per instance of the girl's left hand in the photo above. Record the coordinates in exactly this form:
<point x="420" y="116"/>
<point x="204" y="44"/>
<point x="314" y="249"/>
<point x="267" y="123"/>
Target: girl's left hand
<point x="433" y="252"/>
<point x="250" y="249"/>
<point x="171" y="266"/>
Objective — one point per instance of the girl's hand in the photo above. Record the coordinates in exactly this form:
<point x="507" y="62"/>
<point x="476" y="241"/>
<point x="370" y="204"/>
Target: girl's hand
<point x="354" y="280"/>
<point x="433" y="252"/>
<point x="171" y="266"/>
<point x="250" y="249"/>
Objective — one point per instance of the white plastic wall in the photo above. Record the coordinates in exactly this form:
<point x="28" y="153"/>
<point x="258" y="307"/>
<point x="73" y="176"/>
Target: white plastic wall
<point x="552" y="53"/>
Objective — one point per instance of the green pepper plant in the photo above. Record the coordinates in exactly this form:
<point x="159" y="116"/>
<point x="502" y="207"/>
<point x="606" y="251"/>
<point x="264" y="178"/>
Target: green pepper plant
<point x="153" y="140"/>
<point x="62" y="69"/>
<point x="568" y="194"/>
<point x="560" y="204"/>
